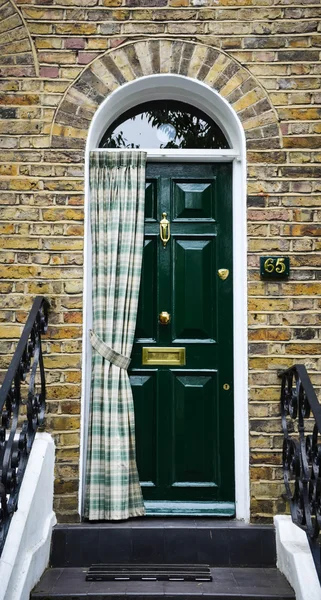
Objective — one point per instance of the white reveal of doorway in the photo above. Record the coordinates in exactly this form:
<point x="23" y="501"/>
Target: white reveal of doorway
<point x="178" y="87"/>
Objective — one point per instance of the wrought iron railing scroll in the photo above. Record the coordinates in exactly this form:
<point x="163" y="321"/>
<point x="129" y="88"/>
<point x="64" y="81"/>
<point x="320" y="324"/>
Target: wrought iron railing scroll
<point x="22" y="410"/>
<point x="301" y="424"/>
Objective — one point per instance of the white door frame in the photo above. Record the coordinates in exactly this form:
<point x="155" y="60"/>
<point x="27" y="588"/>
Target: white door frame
<point x="178" y="87"/>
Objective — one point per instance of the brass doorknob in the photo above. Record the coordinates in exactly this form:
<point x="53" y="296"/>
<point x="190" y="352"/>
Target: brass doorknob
<point x="164" y="318"/>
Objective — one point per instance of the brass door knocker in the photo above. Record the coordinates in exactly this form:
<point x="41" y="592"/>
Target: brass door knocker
<point x="164" y="229"/>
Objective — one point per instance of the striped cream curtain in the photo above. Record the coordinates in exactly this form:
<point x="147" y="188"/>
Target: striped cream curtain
<point x="117" y="194"/>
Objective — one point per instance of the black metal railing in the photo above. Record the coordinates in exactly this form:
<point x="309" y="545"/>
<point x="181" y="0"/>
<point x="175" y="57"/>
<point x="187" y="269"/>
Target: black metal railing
<point x="22" y="410"/>
<point x="301" y="424"/>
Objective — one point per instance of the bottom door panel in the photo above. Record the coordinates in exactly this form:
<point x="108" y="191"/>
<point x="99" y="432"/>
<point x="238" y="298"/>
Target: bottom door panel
<point x="144" y="386"/>
<point x="195" y="432"/>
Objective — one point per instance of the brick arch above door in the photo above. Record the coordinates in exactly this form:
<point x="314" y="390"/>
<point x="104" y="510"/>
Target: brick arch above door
<point x="18" y="54"/>
<point x="142" y="58"/>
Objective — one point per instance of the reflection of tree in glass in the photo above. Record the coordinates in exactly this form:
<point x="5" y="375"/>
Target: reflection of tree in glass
<point x="194" y="129"/>
<point x="117" y="140"/>
<point x="191" y="131"/>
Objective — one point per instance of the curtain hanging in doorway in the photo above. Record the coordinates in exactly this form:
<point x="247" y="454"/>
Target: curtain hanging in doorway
<point x="117" y="193"/>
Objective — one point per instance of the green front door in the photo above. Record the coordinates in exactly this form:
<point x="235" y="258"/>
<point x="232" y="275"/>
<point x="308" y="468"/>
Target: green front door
<point x="184" y="398"/>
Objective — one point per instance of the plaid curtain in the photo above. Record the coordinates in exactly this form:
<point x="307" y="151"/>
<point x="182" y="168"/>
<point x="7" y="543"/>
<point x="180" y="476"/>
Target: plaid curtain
<point x="117" y="193"/>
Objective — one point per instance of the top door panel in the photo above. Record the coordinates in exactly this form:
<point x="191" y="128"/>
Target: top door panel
<point x="151" y="199"/>
<point x="193" y="199"/>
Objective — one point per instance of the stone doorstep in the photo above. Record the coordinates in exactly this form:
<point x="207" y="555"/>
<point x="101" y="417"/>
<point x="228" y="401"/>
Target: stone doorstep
<point x="219" y="543"/>
<point x="227" y="584"/>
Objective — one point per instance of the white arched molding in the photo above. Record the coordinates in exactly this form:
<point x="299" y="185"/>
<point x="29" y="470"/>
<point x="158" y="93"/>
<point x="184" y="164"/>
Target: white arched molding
<point x="178" y="87"/>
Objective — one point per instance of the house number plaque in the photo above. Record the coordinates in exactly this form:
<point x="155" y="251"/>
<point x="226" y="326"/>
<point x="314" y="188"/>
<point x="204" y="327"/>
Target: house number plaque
<point x="274" y="267"/>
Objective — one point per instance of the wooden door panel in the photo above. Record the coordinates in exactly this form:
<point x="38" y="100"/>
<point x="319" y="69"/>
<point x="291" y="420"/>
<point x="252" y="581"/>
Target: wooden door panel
<point x="151" y="199"/>
<point x="196" y="442"/>
<point x="194" y="289"/>
<point x="147" y="309"/>
<point x="193" y="199"/>
<point x="144" y="386"/>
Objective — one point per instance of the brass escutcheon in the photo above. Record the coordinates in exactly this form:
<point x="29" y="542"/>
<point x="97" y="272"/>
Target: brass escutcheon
<point x="164" y="317"/>
<point x="226" y="386"/>
<point x="223" y="273"/>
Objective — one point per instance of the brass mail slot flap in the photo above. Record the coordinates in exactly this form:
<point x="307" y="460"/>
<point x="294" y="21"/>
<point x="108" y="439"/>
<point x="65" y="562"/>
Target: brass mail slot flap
<point x="164" y="356"/>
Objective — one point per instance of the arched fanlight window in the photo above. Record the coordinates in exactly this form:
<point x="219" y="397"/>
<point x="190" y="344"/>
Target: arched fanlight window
<point x="164" y="124"/>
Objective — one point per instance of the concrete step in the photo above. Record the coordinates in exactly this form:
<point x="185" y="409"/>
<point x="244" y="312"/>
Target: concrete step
<point x="227" y="584"/>
<point x="219" y="543"/>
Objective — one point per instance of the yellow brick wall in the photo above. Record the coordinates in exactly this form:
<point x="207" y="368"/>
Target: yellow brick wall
<point x="268" y="51"/>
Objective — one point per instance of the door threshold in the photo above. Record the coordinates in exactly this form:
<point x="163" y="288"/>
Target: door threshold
<point x="193" y="509"/>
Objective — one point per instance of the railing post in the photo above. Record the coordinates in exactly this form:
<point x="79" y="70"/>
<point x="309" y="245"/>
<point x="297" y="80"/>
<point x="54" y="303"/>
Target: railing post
<point x="302" y="454"/>
<point x="17" y="436"/>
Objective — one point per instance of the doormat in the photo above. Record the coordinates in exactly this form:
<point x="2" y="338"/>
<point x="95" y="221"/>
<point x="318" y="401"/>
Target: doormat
<point x="130" y="572"/>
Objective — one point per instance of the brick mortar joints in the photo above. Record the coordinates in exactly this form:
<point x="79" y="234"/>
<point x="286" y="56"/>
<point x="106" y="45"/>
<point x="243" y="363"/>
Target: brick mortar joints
<point x="191" y="39"/>
<point x="33" y="49"/>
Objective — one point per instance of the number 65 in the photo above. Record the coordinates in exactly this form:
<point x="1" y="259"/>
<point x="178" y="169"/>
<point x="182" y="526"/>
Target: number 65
<point x="272" y="264"/>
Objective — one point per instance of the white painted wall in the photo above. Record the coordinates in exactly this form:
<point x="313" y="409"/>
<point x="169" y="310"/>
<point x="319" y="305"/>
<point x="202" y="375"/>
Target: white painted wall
<point x="294" y="559"/>
<point x="26" y="552"/>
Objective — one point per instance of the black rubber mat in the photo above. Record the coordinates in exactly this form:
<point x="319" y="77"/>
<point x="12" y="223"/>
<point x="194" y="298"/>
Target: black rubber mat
<point x="143" y="572"/>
